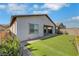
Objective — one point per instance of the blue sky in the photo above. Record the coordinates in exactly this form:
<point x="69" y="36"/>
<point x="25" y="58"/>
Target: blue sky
<point x="68" y="14"/>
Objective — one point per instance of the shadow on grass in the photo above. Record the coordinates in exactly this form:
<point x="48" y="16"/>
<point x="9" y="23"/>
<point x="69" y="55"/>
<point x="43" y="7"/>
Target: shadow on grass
<point x="49" y="36"/>
<point x="44" y="55"/>
<point x="32" y="49"/>
<point x="27" y="44"/>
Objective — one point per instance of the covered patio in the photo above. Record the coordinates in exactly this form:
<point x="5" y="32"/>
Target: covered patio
<point x="48" y="30"/>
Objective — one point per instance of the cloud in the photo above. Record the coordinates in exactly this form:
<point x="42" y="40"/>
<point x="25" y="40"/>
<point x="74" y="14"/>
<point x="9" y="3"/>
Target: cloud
<point x="2" y="6"/>
<point x="75" y="18"/>
<point x="72" y="22"/>
<point x="37" y="9"/>
<point x="35" y="6"/>
<point x="55" y="6"/>
<point x="46" y="8"/>
<point x="17" y="8"/>
<point x="40" y="12"/>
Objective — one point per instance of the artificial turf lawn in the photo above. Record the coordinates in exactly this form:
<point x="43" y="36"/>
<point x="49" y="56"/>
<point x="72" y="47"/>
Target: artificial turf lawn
<point x="61" y="45"/>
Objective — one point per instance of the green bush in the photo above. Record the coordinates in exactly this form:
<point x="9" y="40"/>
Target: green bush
<point x="10" y="47"/>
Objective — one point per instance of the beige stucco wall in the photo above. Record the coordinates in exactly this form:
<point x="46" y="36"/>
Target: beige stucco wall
<point x="23" y="26"/>
<point x="13" y="28"/>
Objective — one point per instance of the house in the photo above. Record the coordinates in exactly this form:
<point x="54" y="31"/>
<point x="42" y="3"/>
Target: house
<point x="59" y="26"/>
<point x="28" y="27"/>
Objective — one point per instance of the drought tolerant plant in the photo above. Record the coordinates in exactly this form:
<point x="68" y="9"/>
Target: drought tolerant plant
<point x="10" y="46"/>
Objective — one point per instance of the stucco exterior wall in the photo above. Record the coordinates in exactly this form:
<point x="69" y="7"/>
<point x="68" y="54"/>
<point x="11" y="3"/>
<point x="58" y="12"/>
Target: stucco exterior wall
<point x="13" y="28"/>
<point x="23" y="26"/>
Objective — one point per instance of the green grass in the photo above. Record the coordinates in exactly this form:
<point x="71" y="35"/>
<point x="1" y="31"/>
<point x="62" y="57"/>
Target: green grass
<point x="55" y="46"/>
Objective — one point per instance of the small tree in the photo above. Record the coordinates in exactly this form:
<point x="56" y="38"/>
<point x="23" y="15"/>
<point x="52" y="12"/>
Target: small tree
<point x="10" y="47"/>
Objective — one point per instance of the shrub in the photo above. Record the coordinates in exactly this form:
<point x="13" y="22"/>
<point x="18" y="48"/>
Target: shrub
<point x="66" y="33"/>
<point x="10" y="47"/>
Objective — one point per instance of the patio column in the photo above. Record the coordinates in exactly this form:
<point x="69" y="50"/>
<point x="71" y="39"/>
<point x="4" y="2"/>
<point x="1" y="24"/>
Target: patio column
<point x="46" y="30"/>
<point x="53" y="30"/>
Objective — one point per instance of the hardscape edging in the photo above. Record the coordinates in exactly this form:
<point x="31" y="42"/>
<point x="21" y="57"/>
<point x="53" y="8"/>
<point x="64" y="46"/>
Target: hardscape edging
<point x="24" y="50"/>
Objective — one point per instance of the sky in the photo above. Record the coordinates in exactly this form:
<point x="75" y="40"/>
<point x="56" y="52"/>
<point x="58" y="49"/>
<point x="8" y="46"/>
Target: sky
<point x="65" y="13"/>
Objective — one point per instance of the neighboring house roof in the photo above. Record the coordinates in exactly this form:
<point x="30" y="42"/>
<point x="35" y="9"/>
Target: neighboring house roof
<point x="3" y="27"/>
<point x="14" y="17"/>
<point x="60" y="25"/>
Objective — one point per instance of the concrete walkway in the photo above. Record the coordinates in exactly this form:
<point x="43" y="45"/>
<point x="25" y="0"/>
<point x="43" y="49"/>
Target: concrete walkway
<point x="25" y="52"/>
<point x="23" y="49"/>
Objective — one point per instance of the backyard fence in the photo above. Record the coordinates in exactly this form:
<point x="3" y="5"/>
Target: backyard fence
<point x="70" y="31"/>
<point x="3" y="35"/>
<point x="77" y="42"/>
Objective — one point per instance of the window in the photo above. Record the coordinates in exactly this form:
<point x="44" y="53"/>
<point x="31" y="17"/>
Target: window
<point x="33" y="28"/>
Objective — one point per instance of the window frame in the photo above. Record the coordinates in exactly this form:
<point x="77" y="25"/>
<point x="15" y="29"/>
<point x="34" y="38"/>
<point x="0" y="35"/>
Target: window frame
<point x="33" y="30"/>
